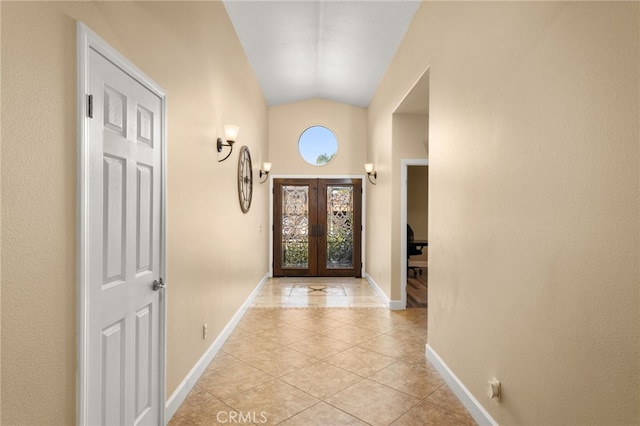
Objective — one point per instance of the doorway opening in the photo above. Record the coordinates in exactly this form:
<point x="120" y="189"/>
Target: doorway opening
<point x="415" y="208"/>
<point x="411" y="137"/>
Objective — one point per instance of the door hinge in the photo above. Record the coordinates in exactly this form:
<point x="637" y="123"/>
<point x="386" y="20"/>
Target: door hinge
<point x="90" y="106"/>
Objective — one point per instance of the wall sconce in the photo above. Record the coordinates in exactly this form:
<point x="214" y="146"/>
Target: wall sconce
<point x="230" y="134"/>
<point x="266" y="168"/>
<point x="369" y="169"/>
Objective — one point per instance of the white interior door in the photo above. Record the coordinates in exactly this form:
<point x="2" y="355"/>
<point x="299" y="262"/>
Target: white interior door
<point x="123" y="365"/>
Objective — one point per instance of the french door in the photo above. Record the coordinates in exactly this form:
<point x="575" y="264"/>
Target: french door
<point x="317" y="227"/>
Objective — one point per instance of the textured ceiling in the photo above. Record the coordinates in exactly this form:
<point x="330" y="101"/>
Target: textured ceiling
<point x="337" y="50"/>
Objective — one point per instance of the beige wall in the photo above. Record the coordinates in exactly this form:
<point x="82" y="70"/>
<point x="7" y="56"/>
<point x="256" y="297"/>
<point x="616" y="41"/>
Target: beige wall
<point x="288" y="121"/>
<point x="378" y="220"/>
<point x="534" y="201"/>
<point x="191" y="50"/>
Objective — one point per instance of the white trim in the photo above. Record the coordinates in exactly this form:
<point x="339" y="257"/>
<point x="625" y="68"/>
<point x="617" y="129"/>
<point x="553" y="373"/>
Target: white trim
<point x="377" y="289"/>
<point x="394" y="305"/>
<point x="88" y="40"/>
<point x="163" y="256"/>
<point x="83" y="197"/>
<point x="270" y="248"/>
<point x="397" y="305"/>
<point x="363" y="235"/>
<point x="472" y="405"/>
<point x="177" y="398"/>
<point x="318" y="176"/>
<point x="404" y="184"/>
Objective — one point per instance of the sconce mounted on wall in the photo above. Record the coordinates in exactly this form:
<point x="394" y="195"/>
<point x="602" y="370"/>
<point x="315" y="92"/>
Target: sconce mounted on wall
<point x="369" y="169"/>
<point x="230" y="134"/>
<point x="266" y="168"/>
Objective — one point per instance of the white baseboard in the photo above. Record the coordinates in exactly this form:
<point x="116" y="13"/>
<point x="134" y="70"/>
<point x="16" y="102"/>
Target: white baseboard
<point x="472" y="405"/>
<point x="394" y="305"/>
<point x="377" y="289"/>
<point x="178" y="397"/>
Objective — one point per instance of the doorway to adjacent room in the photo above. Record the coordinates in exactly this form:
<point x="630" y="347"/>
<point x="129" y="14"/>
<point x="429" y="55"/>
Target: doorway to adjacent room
<point x="417" y="211"/>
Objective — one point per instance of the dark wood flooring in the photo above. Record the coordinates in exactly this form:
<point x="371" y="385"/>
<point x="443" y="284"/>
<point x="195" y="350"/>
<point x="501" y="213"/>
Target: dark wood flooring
<point x="417" y="289"/>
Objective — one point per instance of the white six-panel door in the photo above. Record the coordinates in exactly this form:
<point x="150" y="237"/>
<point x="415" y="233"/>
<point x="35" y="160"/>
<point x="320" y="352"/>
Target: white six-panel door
<point x="123" y="325"/>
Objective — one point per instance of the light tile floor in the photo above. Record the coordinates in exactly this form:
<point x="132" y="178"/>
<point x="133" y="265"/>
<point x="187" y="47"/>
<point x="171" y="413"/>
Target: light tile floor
<point x="323" y="352"/>
<point x="317" y="293"/>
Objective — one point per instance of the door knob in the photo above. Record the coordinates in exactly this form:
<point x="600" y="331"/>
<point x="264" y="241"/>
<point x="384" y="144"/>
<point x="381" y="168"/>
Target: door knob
<point x="158" y="284"/>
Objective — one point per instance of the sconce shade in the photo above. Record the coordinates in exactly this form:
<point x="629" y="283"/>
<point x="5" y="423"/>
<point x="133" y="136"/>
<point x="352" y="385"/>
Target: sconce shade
<point x="368" y="167"/>
<point x="266" y="168"/>
<point x="231" y="132"/>
<point x="230" y="135"/>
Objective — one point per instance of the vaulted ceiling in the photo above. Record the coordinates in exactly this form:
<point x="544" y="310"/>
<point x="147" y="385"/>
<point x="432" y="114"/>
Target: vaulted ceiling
<point x="337" y="50"/>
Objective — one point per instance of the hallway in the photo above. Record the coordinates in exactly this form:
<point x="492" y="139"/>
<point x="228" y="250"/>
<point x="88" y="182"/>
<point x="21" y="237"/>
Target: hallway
<point x="343" y="359"/>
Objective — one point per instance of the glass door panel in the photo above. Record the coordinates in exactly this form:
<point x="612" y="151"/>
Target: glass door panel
<point x="339" y="227"/>
<point x="295" y="226"/>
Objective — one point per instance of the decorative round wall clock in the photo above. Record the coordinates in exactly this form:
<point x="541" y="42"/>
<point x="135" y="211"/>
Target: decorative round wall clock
<point x="245" y="179"/>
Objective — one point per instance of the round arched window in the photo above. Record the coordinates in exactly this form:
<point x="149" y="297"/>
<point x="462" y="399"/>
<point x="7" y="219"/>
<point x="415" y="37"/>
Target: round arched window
<point x="318" y="145"/>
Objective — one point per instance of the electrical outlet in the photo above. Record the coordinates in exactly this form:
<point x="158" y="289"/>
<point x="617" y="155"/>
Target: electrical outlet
<point x="204" y="331"/>
<point x="494" y="390"/>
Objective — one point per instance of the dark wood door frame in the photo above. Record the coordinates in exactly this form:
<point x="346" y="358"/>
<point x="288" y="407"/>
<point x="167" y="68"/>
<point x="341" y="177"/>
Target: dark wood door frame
<point x="317" y="231"/>
<point x="278" y="271"/>
<point x="356" y="228"/>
